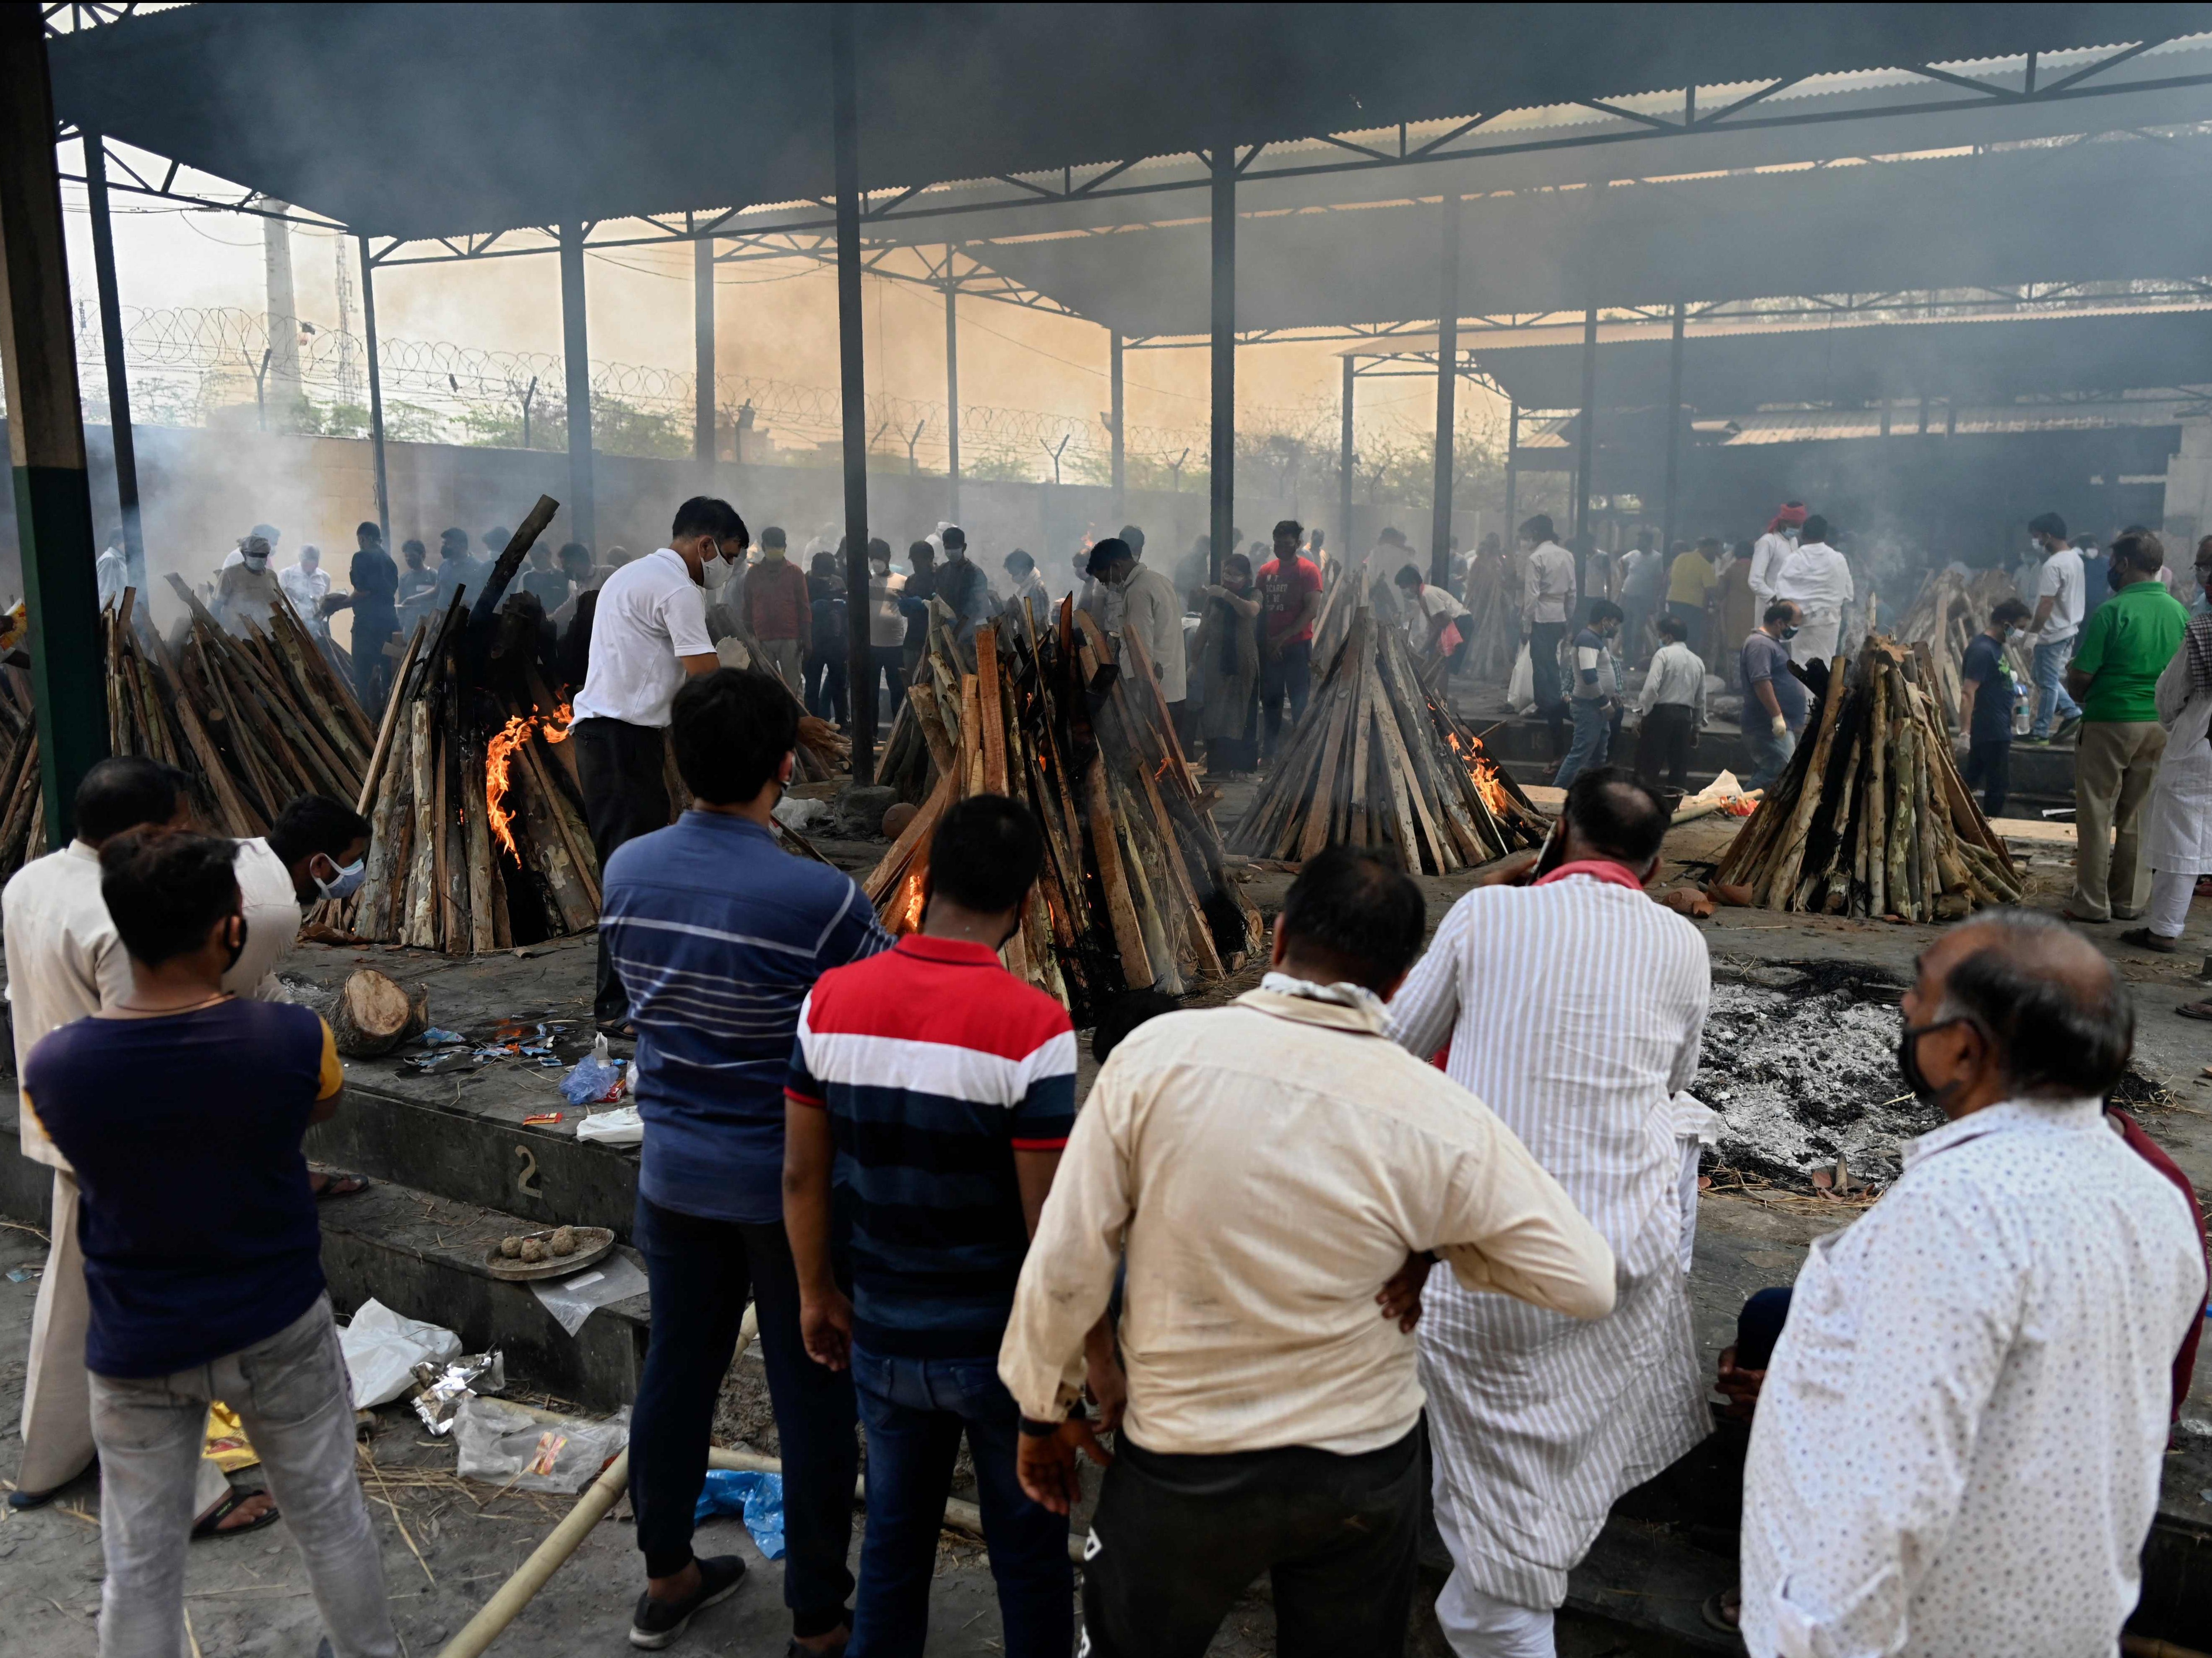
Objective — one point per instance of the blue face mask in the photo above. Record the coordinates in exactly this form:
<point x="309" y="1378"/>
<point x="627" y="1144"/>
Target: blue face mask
<point x="345" y="883"/>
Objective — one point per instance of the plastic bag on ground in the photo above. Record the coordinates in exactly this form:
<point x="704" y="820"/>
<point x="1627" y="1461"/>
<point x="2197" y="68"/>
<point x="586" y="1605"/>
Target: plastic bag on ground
<point x="756" y="1498"/>
<point x="572" y="1300"/>
<point x="620" y="1127"/>
<point x="382" y="1349"/>
<point x="597" y="1077"/>
<point x="499" y="1444"/>
<point x="1521" y="687"/>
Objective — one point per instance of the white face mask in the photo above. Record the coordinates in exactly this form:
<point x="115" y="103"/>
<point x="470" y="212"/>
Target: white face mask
<point x="715" y="571"/>
<point x="257" y="561"/>
<point x="880" y="566"/>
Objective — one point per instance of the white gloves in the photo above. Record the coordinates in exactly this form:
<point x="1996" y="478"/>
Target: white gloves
<point x="1779" y="726"/>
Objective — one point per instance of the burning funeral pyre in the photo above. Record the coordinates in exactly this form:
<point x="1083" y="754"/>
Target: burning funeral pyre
<point x="1135" y="892"/>
<point x="1381" y="760"/>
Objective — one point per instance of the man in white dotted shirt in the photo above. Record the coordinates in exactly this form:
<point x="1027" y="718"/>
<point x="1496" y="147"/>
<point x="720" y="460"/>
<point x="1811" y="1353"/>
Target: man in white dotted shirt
<point x="1958" y="1443"/>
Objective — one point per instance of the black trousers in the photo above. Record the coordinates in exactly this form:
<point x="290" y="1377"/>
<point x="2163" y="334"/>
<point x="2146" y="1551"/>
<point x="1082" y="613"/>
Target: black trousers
<point x="1178" y="1539"/>
<point x="1989" y="766"/>
<point x="1544" y="639"/>
<point x="621" y="769"/>
<point x="1665" y="743"/>
<point x="826" y="677"/>
<point x="702" y="1272"/>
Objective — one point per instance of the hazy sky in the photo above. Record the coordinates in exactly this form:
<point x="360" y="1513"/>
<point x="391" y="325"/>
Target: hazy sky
<point x="773" y="321"/>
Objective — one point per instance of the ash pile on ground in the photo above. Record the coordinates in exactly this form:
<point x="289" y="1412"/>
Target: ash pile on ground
<point x="1801" y="1062"/>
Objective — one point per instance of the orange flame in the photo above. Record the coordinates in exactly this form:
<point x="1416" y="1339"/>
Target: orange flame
<point x="905" y="912"/>
<point x="498" y="755"/>
<point x="1484" y="771"/>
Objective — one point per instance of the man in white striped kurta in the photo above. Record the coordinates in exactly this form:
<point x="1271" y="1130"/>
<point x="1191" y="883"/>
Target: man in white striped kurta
<point x="1574" y="1008"/>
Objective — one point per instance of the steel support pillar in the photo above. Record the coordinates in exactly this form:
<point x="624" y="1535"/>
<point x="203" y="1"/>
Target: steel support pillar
<point x="45" y="430"/>
<point x="1587" y="452"/>
<point x="853" y="387"/>
<point x="1440" y="521"/>
<point x="375" y="392"/>
<point x="1222" y="448"/>
<point x="1674" y="435"/>
<point x="1115" y="406"/>
<point x="1345" y="460"/>
<point x="111" y="343"/>
<point x="1512" y="471"/>
<point x="952" y="397"/>
<point x="575" y="351"/>
<point x="702" y="332"/>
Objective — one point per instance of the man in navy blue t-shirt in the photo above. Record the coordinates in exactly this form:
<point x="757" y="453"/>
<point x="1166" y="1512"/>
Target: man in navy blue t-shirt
<point x="182" y="1108"/>
<point x="1987" y="691"/>
<point x="716" y="935"/>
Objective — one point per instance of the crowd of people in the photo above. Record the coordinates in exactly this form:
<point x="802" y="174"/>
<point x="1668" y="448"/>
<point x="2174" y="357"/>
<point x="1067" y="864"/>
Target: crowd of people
<point x="1214" y="1276"/>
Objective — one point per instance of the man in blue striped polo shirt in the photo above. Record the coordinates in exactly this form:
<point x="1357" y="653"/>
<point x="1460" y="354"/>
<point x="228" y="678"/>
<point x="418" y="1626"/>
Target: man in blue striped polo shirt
<point x="716" y="935"/>
<point x="940" y="1091"/>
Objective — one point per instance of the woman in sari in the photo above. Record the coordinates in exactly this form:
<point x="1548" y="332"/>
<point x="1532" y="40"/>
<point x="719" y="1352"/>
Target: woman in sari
<point x="1227" y="655"/>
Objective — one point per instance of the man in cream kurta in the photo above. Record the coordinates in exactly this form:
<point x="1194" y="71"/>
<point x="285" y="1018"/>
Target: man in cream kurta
<point x="65" y="960"/>
<point x="1574" y="1008"/>
<point x="1268" y="1168"/>
<point x="2177" y="820"/>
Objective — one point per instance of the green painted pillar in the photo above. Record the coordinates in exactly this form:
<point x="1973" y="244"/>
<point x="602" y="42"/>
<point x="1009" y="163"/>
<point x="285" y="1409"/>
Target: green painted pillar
<point x="46" y="428"/>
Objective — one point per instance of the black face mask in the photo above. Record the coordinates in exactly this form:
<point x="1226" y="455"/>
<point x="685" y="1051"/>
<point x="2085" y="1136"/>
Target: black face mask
<point x="237" y="949"/>
<point x="1908" y="1061"/>
<point x="1789" y="633"/>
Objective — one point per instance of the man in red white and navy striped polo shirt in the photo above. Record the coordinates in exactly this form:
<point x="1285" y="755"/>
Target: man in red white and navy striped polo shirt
<point x="930" y="1096"/>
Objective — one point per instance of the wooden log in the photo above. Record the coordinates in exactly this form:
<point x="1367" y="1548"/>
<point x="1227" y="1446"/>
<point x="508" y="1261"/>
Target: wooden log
<point x="548" y="851"/>
<point x="239" y="821"/>
<point x="1808" y="794"/>
<point x="1113" y="880"/>
<point x="510" y="559"/>
<point x="1899" y="840"/>
<point x="373" y="1014"/>
<point x="991" y="709"/>
<point x="1878" y="800"/>
<point x="374" y="919"/>
<point x="575" y="841"/>
<point x="422" y="888"/>
<point x="476" y="814"/>
<point x="446" y="912"/>
<point x="1323" y="804"/>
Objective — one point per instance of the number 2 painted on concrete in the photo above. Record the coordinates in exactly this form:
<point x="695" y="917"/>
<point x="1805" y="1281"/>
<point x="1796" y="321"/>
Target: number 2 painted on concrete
<point x="525" y="1182"/>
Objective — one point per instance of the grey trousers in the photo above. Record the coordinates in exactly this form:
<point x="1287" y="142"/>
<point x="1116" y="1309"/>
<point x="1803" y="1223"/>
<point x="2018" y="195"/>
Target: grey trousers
<point x="291" y="1393"/>
<point x="2115" y="763"/>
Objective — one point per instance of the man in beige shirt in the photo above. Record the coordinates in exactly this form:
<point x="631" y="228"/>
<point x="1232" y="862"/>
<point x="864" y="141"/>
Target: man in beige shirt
<point x="64" y="960"/>
<point x="1275" y="1171"/>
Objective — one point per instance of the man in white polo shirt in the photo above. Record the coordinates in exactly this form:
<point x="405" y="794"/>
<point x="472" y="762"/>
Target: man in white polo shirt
<point x="2059" y="585"/>
<point x="649" y="632"/>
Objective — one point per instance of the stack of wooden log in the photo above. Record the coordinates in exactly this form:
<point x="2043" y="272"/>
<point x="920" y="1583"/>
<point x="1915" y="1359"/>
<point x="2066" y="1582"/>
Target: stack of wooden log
<point x="1135" y="892"/>
<point x="1948" y="611"/>
<point x="22" y="799"/>
<point x="1871" y="818"/>
<point x="1378" y="761"/>
<point x="253" y="718"/>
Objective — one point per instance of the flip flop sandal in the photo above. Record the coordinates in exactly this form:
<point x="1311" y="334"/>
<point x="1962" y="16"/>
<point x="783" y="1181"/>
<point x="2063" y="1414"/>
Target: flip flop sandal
<point x="2195" y="1010"/>
<point x="335" y="1185"/>
<point x="213" y="1526"/>
<point x="1714" y="1619"/>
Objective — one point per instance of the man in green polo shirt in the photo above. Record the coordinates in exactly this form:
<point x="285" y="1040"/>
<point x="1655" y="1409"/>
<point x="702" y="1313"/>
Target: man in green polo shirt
<point x="2123" y="649"/>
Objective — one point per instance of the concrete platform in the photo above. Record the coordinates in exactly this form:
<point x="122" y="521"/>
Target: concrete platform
<point x="460" y="1167"/>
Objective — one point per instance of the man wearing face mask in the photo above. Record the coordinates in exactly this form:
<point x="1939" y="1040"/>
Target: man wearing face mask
<point x="962" y="584"/>
<point x="1818" y="581"/>
<point x="249" y="590"/>
<point x="886" y="631"/>
<point x="1959" y="1438"/>
<point x="1152" y="614"/>
<point x="648" y="633"/>
<point x="2059" y="591"/>
<point x="1986" y="693"/>
<point x="778" y="611"/>
<point x="1774" y="700"/>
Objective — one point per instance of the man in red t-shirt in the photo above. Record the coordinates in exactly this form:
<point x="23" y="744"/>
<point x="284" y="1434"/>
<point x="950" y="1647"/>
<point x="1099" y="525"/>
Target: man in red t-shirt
<point x="1290" y="598"/>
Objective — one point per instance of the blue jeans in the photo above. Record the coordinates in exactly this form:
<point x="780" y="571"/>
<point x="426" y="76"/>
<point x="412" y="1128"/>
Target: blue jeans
<point x="1593" y="739"/>
<point x="914" y="1410"/>
<point x="2051" y="696"/>
<point x="1769" y="755"/>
